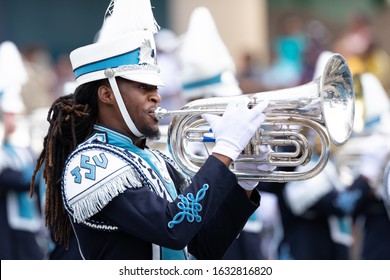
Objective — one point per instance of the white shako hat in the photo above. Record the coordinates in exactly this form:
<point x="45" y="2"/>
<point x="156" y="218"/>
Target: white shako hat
<point x="13" y="75"/>
<point x="207" y="67"/>
<point x="125" y="48"/>
<point x="125" y="44"/>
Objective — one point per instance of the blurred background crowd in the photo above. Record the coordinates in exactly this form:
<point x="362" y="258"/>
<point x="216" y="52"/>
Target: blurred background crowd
<point x="260" y="45"/>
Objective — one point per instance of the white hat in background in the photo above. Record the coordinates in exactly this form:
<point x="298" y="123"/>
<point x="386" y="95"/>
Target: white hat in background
<point x="13" y="75"/>
<point x="11" y="100"/>
<point x="207" y="67"/>
<point x="125" y="48"/>
<point x="69" y="87"/>
<point x="167" y="41"/>
<point x="376" y="100"/>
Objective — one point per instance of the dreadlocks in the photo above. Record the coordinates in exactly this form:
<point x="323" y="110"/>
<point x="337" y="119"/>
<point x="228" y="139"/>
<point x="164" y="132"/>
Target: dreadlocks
<point x="71" y="120"/>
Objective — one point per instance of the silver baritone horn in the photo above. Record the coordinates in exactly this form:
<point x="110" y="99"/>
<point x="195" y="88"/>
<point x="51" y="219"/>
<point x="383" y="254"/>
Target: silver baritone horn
<point x="322" y="109"/>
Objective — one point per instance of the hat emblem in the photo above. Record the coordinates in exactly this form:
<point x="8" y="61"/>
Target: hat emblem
<point x="147" y="53"/>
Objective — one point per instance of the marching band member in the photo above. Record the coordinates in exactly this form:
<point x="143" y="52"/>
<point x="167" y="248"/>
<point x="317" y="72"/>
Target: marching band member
<point x="20" y="217"/>
<point x="369" y="151"/>
<point x="121" y="199"/>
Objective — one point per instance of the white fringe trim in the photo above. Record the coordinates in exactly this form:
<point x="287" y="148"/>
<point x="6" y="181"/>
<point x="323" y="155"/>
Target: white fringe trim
<point x="92" y="203"/>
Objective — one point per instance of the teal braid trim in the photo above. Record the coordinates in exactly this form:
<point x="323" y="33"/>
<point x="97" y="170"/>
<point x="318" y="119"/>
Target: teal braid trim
<point x="190" y="207"/>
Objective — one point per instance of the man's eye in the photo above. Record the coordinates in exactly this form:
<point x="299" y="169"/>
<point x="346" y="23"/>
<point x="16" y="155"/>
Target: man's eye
<point x="144" y="87"/>
<point x="148" y="88"/>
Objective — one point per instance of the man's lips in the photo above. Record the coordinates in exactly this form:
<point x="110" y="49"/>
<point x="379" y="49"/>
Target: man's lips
<point x="151" y="112"/>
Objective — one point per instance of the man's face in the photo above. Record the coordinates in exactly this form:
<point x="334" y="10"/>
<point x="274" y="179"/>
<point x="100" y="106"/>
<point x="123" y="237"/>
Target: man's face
<point x="141" y="101"/>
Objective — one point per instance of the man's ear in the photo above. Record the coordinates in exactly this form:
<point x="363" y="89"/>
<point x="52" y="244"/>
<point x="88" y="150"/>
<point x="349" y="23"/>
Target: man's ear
<point x="106" y="95"/>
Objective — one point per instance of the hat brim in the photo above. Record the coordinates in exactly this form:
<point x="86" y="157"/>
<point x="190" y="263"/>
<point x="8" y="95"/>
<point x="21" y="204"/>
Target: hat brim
<point x="149" y="79"/>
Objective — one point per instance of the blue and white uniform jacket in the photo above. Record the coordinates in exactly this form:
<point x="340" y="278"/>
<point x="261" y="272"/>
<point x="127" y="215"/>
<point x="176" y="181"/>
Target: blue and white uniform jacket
<point x="132" y="203"/>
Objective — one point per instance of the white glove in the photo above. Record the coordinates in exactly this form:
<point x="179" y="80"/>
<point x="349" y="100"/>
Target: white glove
<point x="236" y="127"/>
<point x="257" y="164"/>
<point x="248" y="185"/>
<point x="374" y="156"/>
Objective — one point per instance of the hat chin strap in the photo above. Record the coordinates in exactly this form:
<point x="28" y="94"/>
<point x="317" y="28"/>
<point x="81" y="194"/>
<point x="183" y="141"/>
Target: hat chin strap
<point x="125" y="115"/>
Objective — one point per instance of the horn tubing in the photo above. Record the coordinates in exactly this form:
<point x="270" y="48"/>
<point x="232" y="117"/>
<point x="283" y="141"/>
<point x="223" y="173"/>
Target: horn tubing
<point x="325" y="105"/>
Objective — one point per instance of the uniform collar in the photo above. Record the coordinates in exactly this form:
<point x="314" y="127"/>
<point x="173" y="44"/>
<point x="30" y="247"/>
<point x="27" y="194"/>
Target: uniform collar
<point x="116" y="138"/>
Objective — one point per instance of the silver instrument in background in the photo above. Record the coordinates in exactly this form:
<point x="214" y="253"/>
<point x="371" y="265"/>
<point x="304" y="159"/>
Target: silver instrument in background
<point x="372" y="117"/>
<point x="323" y="107"/>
